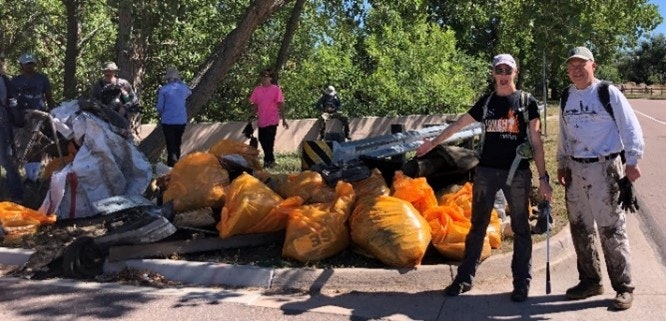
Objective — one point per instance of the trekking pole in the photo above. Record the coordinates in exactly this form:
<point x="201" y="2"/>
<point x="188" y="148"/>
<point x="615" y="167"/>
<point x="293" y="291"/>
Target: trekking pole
<point x="547" y="210"/>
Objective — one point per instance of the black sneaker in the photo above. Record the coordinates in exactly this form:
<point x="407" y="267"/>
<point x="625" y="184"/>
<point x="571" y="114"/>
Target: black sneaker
<point x="583" y="290"/>
<point x="519" y="294"/>
<point x="456" y="288"/>
<point x="623" y="300"/>
<point x="269" y="164"/>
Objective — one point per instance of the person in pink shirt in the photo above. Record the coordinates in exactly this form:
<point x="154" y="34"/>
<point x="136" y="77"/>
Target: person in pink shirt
<point x="268" y="104"/>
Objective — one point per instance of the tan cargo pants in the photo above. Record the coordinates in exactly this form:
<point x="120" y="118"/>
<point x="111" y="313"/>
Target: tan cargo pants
<point x="592" y="196"/>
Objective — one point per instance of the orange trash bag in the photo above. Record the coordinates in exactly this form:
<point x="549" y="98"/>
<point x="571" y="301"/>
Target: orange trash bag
<point x="439" y="221"/>
<point x="197" y="180"/>
<point x="19" y="220"/>
<point x="414" y="190"/>
<point x="250" y="208"/>
<point x="494" y="231"/>
<point x="319" y="231"/>
<point x="391" y="230"/>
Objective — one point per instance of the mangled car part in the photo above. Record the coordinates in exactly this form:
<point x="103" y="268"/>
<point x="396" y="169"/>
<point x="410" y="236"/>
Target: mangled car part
<point x="351" y="160"/>
<point x="128" y="220"/>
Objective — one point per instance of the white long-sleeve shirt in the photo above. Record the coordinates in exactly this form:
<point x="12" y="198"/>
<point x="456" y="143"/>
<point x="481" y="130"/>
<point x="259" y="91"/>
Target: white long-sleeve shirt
<point x="588" y="131"/>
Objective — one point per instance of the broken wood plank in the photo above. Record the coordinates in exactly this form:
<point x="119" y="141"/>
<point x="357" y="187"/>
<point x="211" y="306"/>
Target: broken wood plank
<point x="126" y="252"/>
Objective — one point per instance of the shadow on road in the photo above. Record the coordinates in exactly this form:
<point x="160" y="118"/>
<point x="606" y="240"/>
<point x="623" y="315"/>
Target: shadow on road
<point x="434" y="305"/>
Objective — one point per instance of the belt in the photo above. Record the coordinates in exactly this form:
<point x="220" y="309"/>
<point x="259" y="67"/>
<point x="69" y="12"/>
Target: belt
<point x="595" y="159"/>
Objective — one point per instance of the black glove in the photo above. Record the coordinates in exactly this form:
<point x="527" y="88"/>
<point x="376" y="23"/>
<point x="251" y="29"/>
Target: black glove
<point x="544" y="220"/>
<point x="627" y="199"/>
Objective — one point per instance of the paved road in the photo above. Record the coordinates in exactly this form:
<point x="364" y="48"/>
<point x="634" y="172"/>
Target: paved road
<point x="489" y="300"/>
<point x="652" y="184"/>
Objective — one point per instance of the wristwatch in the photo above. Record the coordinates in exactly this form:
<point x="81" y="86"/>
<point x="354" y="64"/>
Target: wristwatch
<point x="545" y="178"/>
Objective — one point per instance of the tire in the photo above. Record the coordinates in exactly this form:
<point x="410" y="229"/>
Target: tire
<point x="83" y="259"/>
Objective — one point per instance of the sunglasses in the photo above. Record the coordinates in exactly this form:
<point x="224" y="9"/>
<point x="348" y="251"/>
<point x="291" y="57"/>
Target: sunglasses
<point x="503" y="71"/>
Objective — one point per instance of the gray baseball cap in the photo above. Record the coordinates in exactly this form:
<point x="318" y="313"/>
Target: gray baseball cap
<point x="27" y="58"/>
<point x="580" y="53"/>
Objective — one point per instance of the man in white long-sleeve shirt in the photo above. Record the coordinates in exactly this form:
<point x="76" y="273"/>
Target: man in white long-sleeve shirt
<point x="590" y="158"/>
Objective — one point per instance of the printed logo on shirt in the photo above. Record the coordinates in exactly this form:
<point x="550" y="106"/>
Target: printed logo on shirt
<point x="508" y="126"/>
<point x="580" y="109"/>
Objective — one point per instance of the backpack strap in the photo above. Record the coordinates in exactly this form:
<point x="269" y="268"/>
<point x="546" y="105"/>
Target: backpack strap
<point x="526" y="151"/>
<point x="604" y="97"/>
<point x="564" y="96"/>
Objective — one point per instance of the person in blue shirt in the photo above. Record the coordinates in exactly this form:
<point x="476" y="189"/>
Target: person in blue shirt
<point x="33" y="91"/>
<point x="33" y="88"/>
<point x="171" y="107"/>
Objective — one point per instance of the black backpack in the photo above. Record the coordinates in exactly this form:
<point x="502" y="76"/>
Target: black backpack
<point x="604" y="97"/>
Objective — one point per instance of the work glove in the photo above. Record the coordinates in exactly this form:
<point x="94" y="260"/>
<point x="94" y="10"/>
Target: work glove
<point x="545" y="220"/>
<point x="627" y="198"/>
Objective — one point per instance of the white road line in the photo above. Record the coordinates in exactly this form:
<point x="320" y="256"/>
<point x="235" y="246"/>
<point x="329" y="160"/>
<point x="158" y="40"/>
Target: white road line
<point x="650" y="117"/>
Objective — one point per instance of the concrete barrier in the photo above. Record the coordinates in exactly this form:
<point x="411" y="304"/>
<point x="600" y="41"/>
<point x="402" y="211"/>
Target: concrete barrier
<point x="201" y="136"/>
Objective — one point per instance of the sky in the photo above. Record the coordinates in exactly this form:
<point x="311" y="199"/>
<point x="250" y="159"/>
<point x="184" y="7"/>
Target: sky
<point x="662" y="10"/>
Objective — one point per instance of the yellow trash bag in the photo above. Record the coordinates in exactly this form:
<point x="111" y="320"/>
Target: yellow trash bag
<point x="197" y="180"/>
<point x="391" y="230"/>
<point x="309" y="185"/>
<point x="318" y="231"/>
<point x="228" y="147"/>
<point x="250" y="208"/>
<point x="456" y="251"/>
<point x="414" y="190"/>
<point x="368" y="189"/>
<point x="19" y="220"/>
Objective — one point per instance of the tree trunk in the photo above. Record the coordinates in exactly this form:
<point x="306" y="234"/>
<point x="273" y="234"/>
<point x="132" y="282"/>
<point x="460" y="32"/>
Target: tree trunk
<point x="73" y="10"/>
<point x="216" y="67"/>
<point x="288" y="38"/>
<point x="128" y="47"/>
<point x="2" y="51"/>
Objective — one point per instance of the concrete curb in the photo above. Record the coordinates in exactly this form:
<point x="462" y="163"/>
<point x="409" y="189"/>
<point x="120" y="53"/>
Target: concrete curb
<point x="422" y="278"/>
<point x="650" y="225"/>
<point x="11" y="256"/>
<point x="200" y="273"/>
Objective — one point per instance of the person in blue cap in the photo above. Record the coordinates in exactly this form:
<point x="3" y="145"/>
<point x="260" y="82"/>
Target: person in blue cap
<point x="33" y="91"/>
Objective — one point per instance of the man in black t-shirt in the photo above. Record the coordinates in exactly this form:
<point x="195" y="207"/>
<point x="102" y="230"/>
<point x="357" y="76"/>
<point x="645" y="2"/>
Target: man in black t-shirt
<point x="500" y="167"/>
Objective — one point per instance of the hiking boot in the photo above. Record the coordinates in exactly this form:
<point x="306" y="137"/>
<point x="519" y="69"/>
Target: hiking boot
<point x="623" y="300"/>
<point x="456" y="288"/>
<point x="584" y="290"/>
<point x="519" y="294"/>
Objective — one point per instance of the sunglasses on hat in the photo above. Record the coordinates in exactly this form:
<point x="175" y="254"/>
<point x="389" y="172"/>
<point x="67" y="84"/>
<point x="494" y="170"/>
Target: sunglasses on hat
<point x="503" y="71"/>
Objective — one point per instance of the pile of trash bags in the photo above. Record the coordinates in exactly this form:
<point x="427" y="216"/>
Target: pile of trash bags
<point x="395" y="224"/>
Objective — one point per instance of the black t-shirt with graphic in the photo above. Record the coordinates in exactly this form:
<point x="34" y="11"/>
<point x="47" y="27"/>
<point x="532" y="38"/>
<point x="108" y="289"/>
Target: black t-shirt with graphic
<point x="505" y="128"/>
